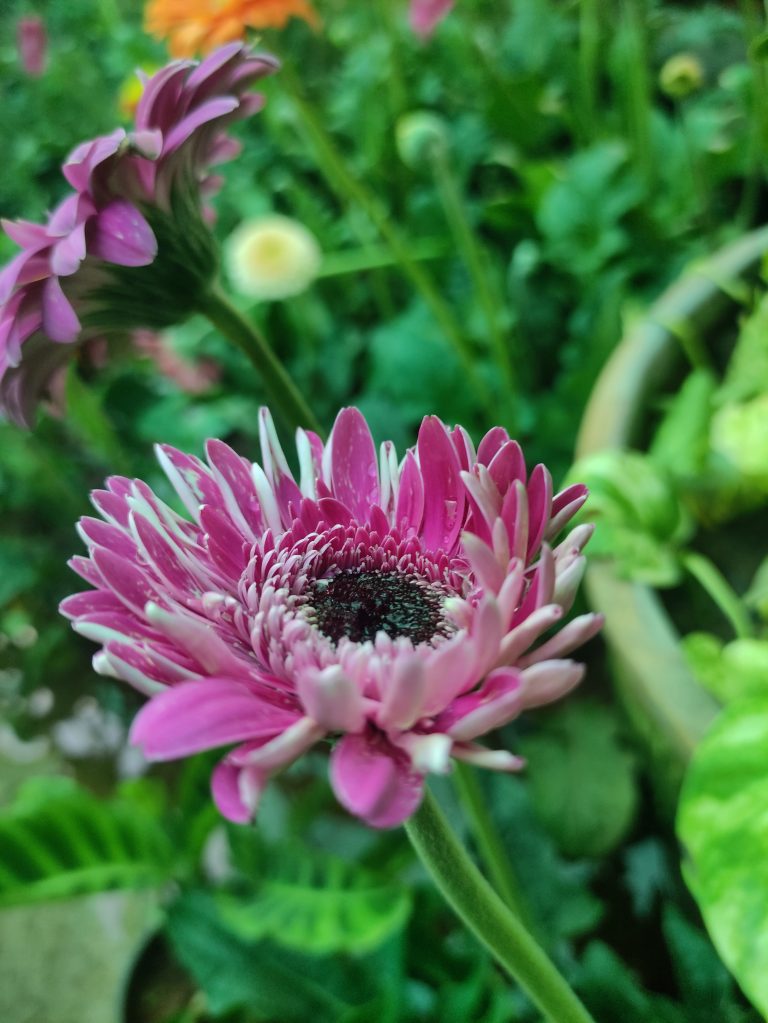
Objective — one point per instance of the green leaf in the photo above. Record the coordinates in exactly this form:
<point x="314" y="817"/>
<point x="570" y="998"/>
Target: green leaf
<point x="274" y="982"/>
<point x="730" y="671"/>
<point x="578" y="750"/>
<point x="639" y="518"/>
<point x="681" y="443"/>
<point x="89" y="421"/>
<point x="614" y="995"/>
<point x="723" y="824"/>
<point x="314" y="902"/>
<point x="58" y="840"/>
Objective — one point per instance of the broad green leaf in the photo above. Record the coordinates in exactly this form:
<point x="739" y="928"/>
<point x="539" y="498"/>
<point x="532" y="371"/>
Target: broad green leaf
<point x="681" y="442"/>
<point x="640" y="520"/>
<point x="723" y="824"/>
<point x="615" y="995"/>
<point x="314" y="902"/>
<point x="578" y="750"/>
<point x="276" y="983"/>
<point x="730" y="671"/>
<point x="57" y="841"/>
<point x="68" y="961"/>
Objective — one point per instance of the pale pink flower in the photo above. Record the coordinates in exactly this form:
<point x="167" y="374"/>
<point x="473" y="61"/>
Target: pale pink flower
<point x="395" y="608"/>
<point x="425" y="15"/>
<point x="32" y="44"/>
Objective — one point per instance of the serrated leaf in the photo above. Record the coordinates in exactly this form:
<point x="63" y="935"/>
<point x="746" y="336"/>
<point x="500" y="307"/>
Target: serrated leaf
<point x="57" y="841"/>
<point x="317" y="903"/>
<point x="723" y="824"/>
<point x="578" y="751"/>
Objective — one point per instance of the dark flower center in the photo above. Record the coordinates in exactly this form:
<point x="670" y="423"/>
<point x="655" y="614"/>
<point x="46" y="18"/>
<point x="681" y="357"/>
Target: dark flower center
<point x="360" y="604"/>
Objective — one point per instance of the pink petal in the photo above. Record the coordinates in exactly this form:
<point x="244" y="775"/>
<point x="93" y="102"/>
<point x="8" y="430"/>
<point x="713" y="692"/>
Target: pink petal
<point x="354" y="466"/>
<point x="121" y="235"/>
<point x="212" y="110"/>
<point x="374" y="781"/>
<point x="225" y="789"/>
<point x="60" y="321"/>
<point x="492" y="442"/>
<point x="196" y="716"/>
<point x="410" y="495"/>
<point x="444" y="494"/>
<point x="539" y="503"/>
<point x="332" y="699"/>
<point x="425" y="15"/>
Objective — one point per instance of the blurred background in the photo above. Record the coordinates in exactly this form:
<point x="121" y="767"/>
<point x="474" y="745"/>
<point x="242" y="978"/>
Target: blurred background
<point x="480" y="218"/>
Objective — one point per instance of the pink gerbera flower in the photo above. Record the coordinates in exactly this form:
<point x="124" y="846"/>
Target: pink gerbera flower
<point x="426" y="15"/>
<point x="127" y="247"/>
<point x="395" y="608"/>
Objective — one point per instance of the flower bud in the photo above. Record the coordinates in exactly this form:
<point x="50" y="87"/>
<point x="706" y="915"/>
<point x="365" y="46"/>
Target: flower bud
<point x="272" y="257"/>
<point x="420" y="137"/>
<point x="681" y="75"/>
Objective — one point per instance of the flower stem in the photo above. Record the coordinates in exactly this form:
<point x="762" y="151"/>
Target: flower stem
<point x="489" y="842"/>
<point x="717" y="587"/>
<point x="474" y="258"/>
<point x="281" y="390"/>
<point x="481" y="909"/>
<point x="349" y="189"/>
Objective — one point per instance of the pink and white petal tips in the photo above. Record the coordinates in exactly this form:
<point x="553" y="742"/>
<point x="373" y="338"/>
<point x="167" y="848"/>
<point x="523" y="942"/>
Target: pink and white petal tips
<point x="72" y="266"/>
<point x="400" y="610"/>
<point x="426" y="15"/>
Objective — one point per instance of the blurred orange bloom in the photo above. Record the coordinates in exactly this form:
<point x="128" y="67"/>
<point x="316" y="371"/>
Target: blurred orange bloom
<point x="197" y="26"/>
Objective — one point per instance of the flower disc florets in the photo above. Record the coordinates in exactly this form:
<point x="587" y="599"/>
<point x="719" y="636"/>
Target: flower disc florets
<point x="396" y="608"/>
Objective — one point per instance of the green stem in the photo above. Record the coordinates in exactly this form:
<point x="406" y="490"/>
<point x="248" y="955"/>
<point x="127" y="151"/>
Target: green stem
<point x="483" y="912"/>
<point x="589" y="51"/>
<point x="474" y="258"/>
<point x="281" y="390"/>
<point x="718" y="588"/>
<point x="489" y="843"/>
<point x="349" y="189"/>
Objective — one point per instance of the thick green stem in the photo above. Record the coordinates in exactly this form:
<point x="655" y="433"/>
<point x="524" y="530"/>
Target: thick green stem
<point x="349" y="189"/>
<point x="489" y="843"/>
<point x="282" y="393"/>
<point x="717" y="587"/>
<point x="481" y="909"/>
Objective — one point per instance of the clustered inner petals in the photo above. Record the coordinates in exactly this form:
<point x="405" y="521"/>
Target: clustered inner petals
<point x="399" y="606"/>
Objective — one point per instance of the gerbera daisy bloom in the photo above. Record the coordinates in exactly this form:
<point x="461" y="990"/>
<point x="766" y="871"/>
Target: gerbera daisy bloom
<point x="137" y="199"/>
<point x="395" y="608"/>
<point x="197" y="26"/>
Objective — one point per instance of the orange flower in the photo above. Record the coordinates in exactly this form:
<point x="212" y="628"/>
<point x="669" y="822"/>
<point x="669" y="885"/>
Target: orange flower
<point x="193" y="26"/>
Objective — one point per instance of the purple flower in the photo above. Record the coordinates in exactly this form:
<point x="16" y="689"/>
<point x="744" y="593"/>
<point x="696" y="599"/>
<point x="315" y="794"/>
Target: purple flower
<point x="425" y="15"/>
<point x="136" y="203"/>
<point x="396" y="608"/>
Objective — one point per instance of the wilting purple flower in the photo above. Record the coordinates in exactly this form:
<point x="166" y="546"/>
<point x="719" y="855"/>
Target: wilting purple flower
<point x="395" y="608"/>
<point x="136" y="200"/>
<point x="32" y="43"/>
<point x="425" y="15"/>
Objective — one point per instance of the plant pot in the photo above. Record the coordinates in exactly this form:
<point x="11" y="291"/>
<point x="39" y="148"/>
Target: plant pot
<point x="668" y="708"/>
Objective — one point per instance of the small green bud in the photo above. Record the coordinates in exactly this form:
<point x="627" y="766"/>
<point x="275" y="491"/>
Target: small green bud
<point x="420" y="137"/>
<point x="681" y="75"/>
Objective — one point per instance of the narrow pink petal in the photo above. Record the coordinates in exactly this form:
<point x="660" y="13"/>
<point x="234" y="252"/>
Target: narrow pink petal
<point x="212" y="110"/>
<point x="498" y="702"/>
<point x="233" y="475"/>
<point x="332" y="699"/>
<point x="121" y="235"/>
<point x="224" y="543"/>
<point x="60" y="321"/>
<point x="403" y="695"/>
<point x="491" y="759"/>
<point x="189" y="477"/>
<point x="199" y="640"/>
<point x="539" y="504"/>
<point x="96" y="533"/>
<point x="354" y="466"/>
<point x="507" y="465"/>
<point x="489" y="573"/>
<point x="163" y="559"/>
<point x="514" y="512"/>
<point x="444" y="494"/>
<point x="410" y="496"/>
<point x="225" y="789"/>
<point x="547" y="681"/>
<point x="374" y="782"/>
<point x="425" y="15"/>
<point x="88" y="603"/>
<point x="26" y="233"/>
<point x="134" y="587"/>
<point x="492" y="442"/>
<point x="574" y="635"/>
<point x="202" y="715"/>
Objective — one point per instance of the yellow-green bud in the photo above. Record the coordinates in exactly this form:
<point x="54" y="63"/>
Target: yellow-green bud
<point x="420" y="136"/>
<point x="681" y="75"/>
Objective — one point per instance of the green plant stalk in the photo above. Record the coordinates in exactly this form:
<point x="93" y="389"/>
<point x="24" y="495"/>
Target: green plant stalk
<point x="638" y="87"/>
<point x="589" y="49"/>
<point x="283" y="394"/>
<point x="489" y="843"/>
<point x="348" y="188"/>
<point x="717" y="587"/>
<point x="483" y="912"/>
<point x="474" y="258"/>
